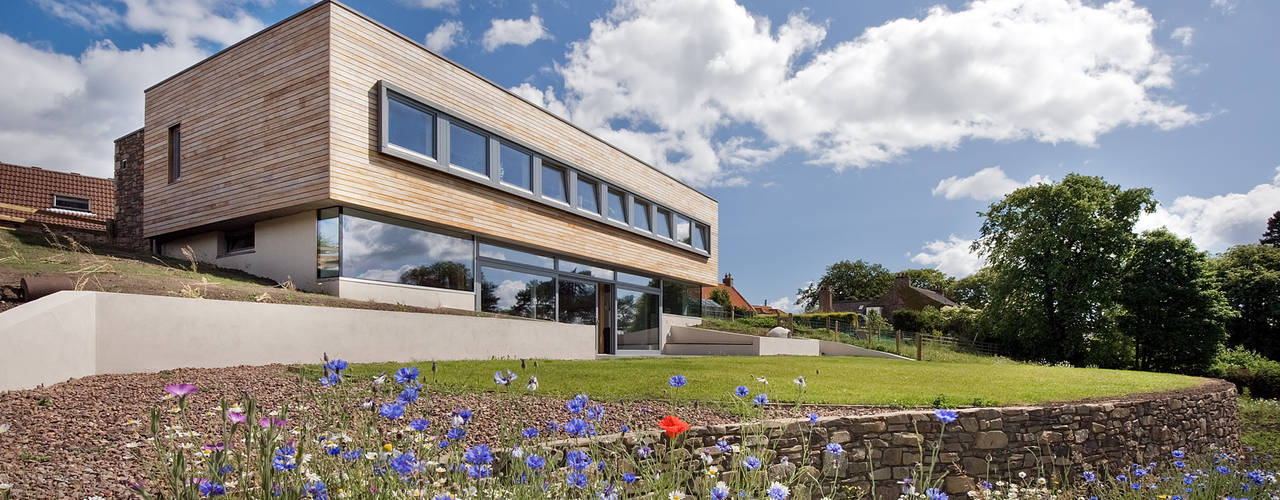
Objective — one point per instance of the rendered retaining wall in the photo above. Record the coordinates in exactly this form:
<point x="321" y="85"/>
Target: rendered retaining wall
<point x="76" y="334"/>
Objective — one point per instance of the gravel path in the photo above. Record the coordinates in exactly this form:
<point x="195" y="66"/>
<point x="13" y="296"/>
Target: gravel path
<point x="69" y="440"/>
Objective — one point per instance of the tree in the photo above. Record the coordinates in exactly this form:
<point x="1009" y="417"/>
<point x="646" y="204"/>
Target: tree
<point x="1171" y="308"/>
<point x="1272" y="236"/>
<point x="1249" y="276"/>
<point x="973" y="290"/>
<point x="721" y="296"/>
<point x="1057" y="251"/>
<point x="931" y="279"/>
<point x="855" y="280"/>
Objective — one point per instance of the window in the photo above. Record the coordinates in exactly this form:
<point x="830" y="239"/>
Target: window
<point x="238" y="240"/>
<point x="516" y="167"/>
<point x="637" y="314"/>
<point x="327" y="244"/>
<point x="376" y="249"/>
<point x="664" y="223"/>
<point x="588" y="196"/>
<point x="682" y="230"/>
<point x="554" y="183"/>
<point x="640" y="214"/>
<point x="71" y="203"/>
<point x="577" y="302"/>
<point x="617" y="211"/>
<point x="508" y="255"/>
<point x="701" y="240"/>
<point x="175" y="152"/>
<point x="637" y="280"/>
<point x="468" y="149"/>
<point x="571" y="267"/>
<point x="517" y="294"/>
<point x="681" y="298"/>
<point x="410" y="127"/>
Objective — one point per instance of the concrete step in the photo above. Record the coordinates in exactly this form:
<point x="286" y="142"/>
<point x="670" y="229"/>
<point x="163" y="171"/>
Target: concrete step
<point x="687" y="335"/>
<point x="677" y="349"/>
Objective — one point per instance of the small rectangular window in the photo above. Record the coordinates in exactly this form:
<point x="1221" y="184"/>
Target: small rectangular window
<point x="701" y="238"/>
<point x="495" y="252"/>
<point x="71" y="203"/>
<point x="568" y="266"/>
<point x="468" y="149"/>
<point x="617" y="211"/>
<point x="555" y="184"/>
<point x="588" y="196"/>
<point x="515" y="166"/>
<point x="683" y="229"/>
<point x="410" y="127"/>
<point x="640" y="215"/>
<point x="175" y="152"/>
<point x="239" y="240"/>
<point x="664" y="223"/>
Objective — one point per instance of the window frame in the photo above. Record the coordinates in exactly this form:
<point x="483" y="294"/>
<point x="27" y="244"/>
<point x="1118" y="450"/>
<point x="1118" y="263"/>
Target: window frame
<point x="224" y="243"/>
<point x="488" y="150"/>
<point x="564" y="175"/>
<point x="88" y="204"/>
<point x="502" y="143"/>
<point x="175" y="152"/>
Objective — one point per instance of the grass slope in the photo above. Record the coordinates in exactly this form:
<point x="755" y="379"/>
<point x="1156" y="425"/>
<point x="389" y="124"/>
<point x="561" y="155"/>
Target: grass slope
<point x="831" y="380"/>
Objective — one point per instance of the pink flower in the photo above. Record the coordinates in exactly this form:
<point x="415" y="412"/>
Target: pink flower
<point x="236" y="417"/>
<point x="272" y="422"/>
<point x="214" y="447"/>
<point x="180" y="390"/>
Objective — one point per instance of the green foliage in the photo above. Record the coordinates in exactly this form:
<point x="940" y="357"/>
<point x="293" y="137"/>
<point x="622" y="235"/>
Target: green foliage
<point x="1249" y="276"/>
<point x="930" y="279"/>
<point x="973" y="290"/>
<point x="1057" y="252"/>
<point x="847" y="318"/>
<point x="909" y="320"/>
<point x="1171" y="309"/>
<point x="1248" y="370"/>
<point x="959" y="322"/>
<point x="1260" y="428"/>
<point x="855" y="280"/>
<point x="1271" y="237"/>
<point x="720" y="296"/>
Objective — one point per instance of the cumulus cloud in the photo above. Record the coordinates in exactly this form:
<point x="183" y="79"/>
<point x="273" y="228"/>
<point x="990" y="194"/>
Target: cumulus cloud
<point x="444" y="37"/>
<point x="987" y="184"/>
<point x="1184" y="35"/>
<point x="520" y="32"/>
<point x="1218" y="222"/>
<point x="1226" y="6"/>
<point x="1051" y="71"/>
<point x="786" y="304"/>
<point x="951" y="256"/>
<point x="62" y="111"/>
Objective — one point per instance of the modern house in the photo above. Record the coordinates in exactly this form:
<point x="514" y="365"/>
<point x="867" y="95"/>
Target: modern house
<point x="36" y="199"/>
<point x="336" y="154"/>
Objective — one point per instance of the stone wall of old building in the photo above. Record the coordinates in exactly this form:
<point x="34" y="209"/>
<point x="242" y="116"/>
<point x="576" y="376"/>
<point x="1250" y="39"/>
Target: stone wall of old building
<point x="127" y="226"/>
<point x="982" y="444"/>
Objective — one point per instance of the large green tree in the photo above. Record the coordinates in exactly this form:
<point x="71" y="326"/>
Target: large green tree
<point x="1057" y="251"/>
<point x="856" y="280"/>
<point x="932" y="279"/>
<point x="973" y="290"/>
<point x="1171" y="308"/>
<point x="1272" y="235"/>
<point x="1249" y="275"/>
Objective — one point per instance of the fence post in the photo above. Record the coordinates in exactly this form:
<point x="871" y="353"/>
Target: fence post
<point x="919" y="347"/>
<point x="898" y="336"/>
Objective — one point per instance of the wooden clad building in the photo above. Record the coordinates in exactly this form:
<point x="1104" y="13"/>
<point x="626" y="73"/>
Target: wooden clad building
<point x="332" y="152"/>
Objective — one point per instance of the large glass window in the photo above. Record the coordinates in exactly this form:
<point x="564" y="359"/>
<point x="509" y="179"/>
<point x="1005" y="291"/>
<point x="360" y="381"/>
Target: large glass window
<point x="637" y="314"/>
<point x="663" y="224"/>
<point x="555" y="183"/>
<point x="520" y="257"/>
<point x="517" y="294"/>
<point x="681" y="298"/>
<point x="701" y="240"/>
<point x="617" y="211"/>
<point x="567" y="266"/>
<point x="516" y="167"/>
<point x="577" y="302"/>
<point x="376" y="250"/>
<point x="640" y="215"/>
<point x="468" y="149"/>
<point x="410" y="127"/>
<point x="683" y="230"/>
<point x="588" y="196"/>
<point x="327" y="244"/>
<point x="634" y="279"/>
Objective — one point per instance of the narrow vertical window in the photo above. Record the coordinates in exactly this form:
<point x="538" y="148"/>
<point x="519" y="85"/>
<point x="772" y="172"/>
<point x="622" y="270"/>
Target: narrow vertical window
<point x="683" y="230"/>
<point x="640" y="215"/>
<point x="664" y="223"/>
<point x="468" y="149"/>
<point x="175" y="152"/>
<point x="327" y="244"/>
<point x="588" y="196"/>
<point x="701" y="238"/>
<point x="410" y="127"/>
<point x="516" y="166"/>
<point x="555" y="183"/>
<point x="617" y="211"/>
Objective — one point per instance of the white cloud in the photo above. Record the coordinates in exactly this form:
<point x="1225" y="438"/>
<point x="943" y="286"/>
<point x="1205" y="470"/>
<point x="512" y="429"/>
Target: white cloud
<point x="513" y="32"/>
<point x="1051" y="71"/>
<point x="1184" y="35"/>
<point x="986" y="184"/>
<point x="786" y="304"/>
<point x="449" y="5"/>
<point x="1226" y="6"/>
<point x="1218" y="222"/>
<point x="952" y="256"/>
<point x="444" y="37"/>
<point x="63" y="111"/>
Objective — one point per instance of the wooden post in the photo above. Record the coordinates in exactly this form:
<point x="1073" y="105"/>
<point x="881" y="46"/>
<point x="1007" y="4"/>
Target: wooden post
<point x="828" y="322"/>
<point x="898" y="335"/>
<point x="919" y="347"/>
<point x="835" y="336"/>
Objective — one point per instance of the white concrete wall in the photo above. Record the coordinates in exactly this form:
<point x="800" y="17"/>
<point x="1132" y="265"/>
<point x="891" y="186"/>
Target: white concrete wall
<point x="284" y="249"/>
<point x="670" y="320"/>
<point x="74" y="334"/>
<point x="395" y="293"/>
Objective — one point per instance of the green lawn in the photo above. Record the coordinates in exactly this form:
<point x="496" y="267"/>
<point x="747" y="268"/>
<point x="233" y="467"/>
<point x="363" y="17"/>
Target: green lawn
<point x="1260" y="428"/>
<point x="834" y="380"/>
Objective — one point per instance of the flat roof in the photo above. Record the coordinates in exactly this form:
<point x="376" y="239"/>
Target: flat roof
<point x="441" y="56"/>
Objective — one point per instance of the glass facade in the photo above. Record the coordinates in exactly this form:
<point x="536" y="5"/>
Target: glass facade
<point x="578" y="302"/>
<point x="468" y="149"/>
<point x="516" y="293"/>
<point x="379" y="250"/>
<point x="504" y="254"/>
<point x="681" y="298"/>
<point x="637" y="315"/>
<point x="410" y="127"/>
<point x="517" y="167"/>
<point x="585" y="270"/>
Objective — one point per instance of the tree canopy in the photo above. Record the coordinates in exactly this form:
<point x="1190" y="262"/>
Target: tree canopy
<point x="856" y="280"/>
<point x="1249" y="276"/>
<point x="1272" y="235"/>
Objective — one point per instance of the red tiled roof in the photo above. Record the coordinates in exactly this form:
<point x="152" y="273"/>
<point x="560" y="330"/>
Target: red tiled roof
<point x="34" y="187"/>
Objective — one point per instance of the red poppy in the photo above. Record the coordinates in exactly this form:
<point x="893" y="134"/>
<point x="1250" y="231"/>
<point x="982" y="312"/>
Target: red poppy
<point x="673" y="425"/>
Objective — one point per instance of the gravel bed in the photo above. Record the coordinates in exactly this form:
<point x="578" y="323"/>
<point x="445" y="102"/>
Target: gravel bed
<point x="69" y="440"/>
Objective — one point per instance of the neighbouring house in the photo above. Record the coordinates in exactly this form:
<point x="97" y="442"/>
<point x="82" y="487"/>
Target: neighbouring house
<point x="336" y="154"/>
<point x="735" y="298"/>
<point x="75" y="205"/>
<point x="901" y="296"/>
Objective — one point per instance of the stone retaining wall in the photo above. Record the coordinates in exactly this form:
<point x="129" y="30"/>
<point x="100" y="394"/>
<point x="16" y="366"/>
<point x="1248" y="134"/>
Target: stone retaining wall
<point x="983" y="443"/>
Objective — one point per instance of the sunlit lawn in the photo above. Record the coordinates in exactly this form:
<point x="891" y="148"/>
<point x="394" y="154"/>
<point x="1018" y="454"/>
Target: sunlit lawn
<point x="830" y="380"/>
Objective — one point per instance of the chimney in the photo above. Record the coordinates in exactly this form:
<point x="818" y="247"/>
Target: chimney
<point x="902" y="280"/>
<point x="728" y="280"/>
<point x="824" y="299"/>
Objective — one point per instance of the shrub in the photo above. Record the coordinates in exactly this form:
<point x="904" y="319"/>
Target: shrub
<point x="847" y="318"/>
<point x="909" y="320"/>
<point x="959" y="321"/>
<point x="1248" y="370"/>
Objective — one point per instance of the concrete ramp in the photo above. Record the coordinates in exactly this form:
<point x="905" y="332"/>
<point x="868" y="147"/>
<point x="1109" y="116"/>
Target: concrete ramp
<point x="691" y="341"/>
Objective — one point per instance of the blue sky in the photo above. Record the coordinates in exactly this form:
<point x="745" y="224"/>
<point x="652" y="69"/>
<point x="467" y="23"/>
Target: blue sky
<point x="827" y="130"/>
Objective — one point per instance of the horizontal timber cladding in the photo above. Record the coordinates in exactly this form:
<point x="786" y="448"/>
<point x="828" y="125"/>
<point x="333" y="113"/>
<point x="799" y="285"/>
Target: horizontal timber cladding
<point x="254" y="124"/>
<point x="364" y="52"/>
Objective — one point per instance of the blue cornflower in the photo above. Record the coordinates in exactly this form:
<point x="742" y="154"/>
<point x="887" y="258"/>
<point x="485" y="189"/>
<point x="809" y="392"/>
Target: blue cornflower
<point x="577" y="427"/>
<point x="834" y="448"/>
<point x="444" y="443"/>
<point x="1179" y="464"/>
<point x="719" y="492"/>
<point x="351" y="455"/>
<point x="677" y="381"/>
<point x="404" y="463"/>
<point x="629" y="477"/>
<point x="504" y="379"/>
<point x="945" y="416"/>
<point x="553" y="426"/>
<point x="479" y="471"/>
<point x="212" y="489"/>
<point x="1222" y="469"/>
<point x="336" y="365"/>
<point x="285" y="458"/>
<point x="577" y="459"/>
<point x="576" y="480"/>
<point x="595" y="413"/>
<point x="813" y="418"/>
<point x="478" y="454"/>
<point x="535" y="462"/>
<point x="1139" y="472"/>
<point x="935" y="494"/>
<point x="624" y="428"/>
<point x="317" y="490"/>
<point x="577" y="404"/>
<point x="741" y="391"/>
<point x="1122" y="478"/>
<point x="225" y="470"/>
<point x="723" y="446"/>
<point x="1179" y="454"/>
<point x="751" y="463"/>
<point x="986" y="485"/>
<point x="455" y="433"/>
<point x="1089" y="477"/>
<point x="644" y="451"/>
<point x="409" y="394"/>
<point x="331" y="379"/>
<point x="530" y="433"/>
<point x="392" y="410"/>
<point x="1135" y="486"/>
<point x="778" y="491"/>
<point x="461" y="417"/>
<point x="761" y="399"/>
<point x="419" y="424"/>
<point x="407" y="374"/>
<point x="332" y="448"/>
